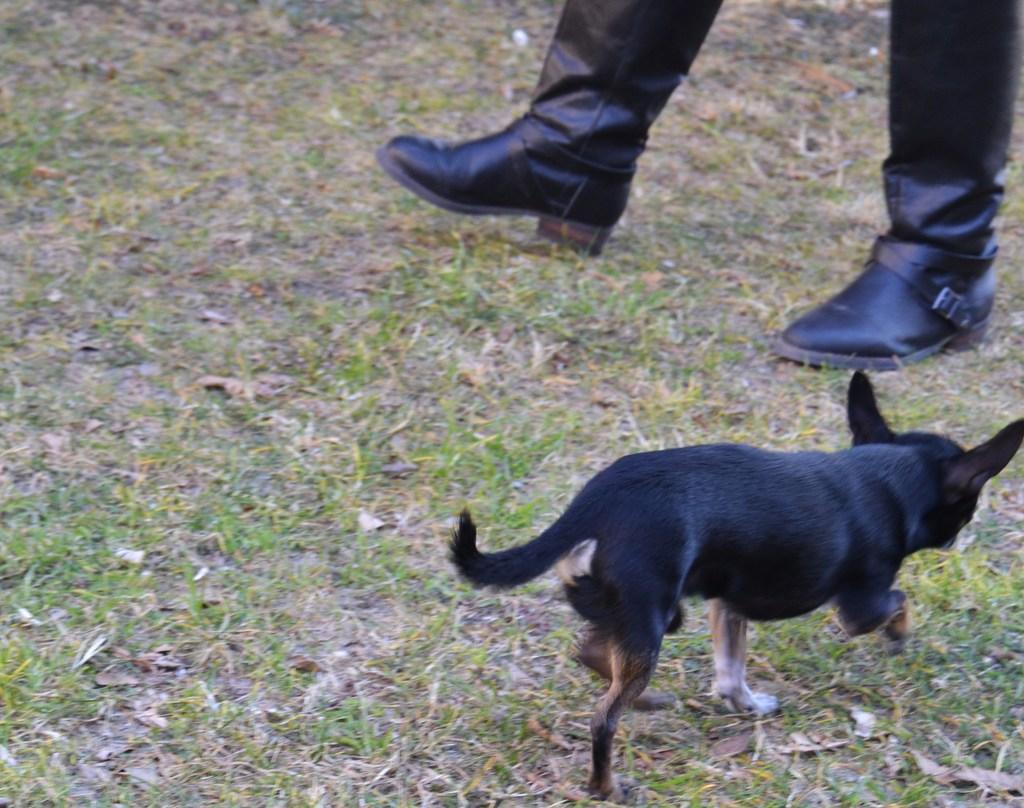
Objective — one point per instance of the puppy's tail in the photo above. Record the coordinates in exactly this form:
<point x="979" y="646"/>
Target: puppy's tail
<point x="511" y="567"/>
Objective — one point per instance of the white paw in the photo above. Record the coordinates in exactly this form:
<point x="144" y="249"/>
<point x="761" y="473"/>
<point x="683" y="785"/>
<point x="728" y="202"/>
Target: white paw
<point x="763" y="703"/>
<point x="746" y="701"/>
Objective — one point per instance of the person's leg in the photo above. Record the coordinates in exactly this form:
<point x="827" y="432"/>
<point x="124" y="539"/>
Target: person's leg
<point x="569" y="161"/>
<point x="929" y="282"/>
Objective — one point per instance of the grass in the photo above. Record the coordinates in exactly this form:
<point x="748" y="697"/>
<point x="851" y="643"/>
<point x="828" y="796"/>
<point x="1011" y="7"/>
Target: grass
<point x="187" y="189"/>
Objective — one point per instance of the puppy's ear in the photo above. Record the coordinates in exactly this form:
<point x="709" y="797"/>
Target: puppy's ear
<point x="866" y="422"/>
<point x="965" y="476"/>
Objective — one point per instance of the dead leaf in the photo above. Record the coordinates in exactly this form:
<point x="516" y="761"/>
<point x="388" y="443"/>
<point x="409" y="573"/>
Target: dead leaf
<point x="55" y="443"/>
<point x="164" y="662"/>
<point x="802" y="744"/>
<point x="87" y="651"/>
<point x="304" y="664"/>
<point x="368" y="522"/>
<point x="47" y="173"/>
<point x="864" y="723"/>
<point x="986" y="778"/>
<point x="147" y="775"/>
<point x="817" y="74"/>
<point x="264" y="385"/>
<point x="151" y="718"/>
<point x="270" y="384"/>
<point x="1000" y="654"/>
<point x="91" y="425"/>
<point x="931" y="768"/>
<point x="94" y="774"/>
<point x="7" y="758"/>
<point x="473" y="375"/>
<point x="398" y="468"/>
<point x="731" y="746"/>
<point x="894" y="761"/>
<point x="992" y="780"/>
<point x="105" y="753"/>
<point x="214" y="316"/>
<point x="652" y="280"/>
<point x="705" y="112"/>
<point x="157" y="659"/>
<point x="134" y="557"/>
<point x="616" y="283"/>
<point x="551" y="737"/>
<point x="112" y="677"/>
<point x="602" y="399"/>
<point x="230" y="385"/>
<point x="699" y="706"/>
<point x="240" y="239"/>
<point x="211" y="597"/>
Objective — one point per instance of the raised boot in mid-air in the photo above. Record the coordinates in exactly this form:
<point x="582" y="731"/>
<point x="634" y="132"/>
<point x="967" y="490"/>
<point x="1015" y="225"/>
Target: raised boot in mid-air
<point x="570" y="159"/>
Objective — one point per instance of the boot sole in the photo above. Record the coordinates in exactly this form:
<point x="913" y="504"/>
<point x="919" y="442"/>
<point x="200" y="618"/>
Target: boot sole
<point x="586" y="238"/>
<point x="961" y="341"/>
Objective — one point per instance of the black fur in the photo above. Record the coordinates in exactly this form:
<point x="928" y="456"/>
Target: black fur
<point x="507" y="567"/>
<point x="771" y="534"/>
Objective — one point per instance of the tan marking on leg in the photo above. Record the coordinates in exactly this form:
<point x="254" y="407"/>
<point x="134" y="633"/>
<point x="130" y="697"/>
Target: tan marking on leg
<point x="897" y="629"/>
<point x="594" y="654"/>
<point x="630" y="675"/>
<point x="729" y="639"/>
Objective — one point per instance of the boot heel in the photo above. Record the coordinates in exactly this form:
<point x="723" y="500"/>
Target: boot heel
<point x="966" y="340"/>
<point x="589" y="240"/>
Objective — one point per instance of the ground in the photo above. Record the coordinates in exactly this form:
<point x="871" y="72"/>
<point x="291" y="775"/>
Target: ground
<point x="246" y="381"/>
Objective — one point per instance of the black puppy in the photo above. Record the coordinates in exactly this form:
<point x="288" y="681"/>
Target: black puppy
<point x="764" y="535"/>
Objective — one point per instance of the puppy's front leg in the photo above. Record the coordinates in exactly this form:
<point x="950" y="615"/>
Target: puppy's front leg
<point x="862" y="612"/>
<point x="729" y="638"/>
<point x="897" y="629"/>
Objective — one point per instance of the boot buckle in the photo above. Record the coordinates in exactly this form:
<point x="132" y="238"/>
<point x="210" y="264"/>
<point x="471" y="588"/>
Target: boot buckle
<point x="950" y="305"/>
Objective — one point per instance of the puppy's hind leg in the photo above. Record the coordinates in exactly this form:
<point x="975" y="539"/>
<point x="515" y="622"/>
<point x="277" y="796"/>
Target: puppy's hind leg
<point x="594" y="652"/>
<point x="729" y="638"/>
<point x="631" y="671"/>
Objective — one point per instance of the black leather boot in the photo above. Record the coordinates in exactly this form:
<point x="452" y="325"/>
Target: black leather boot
<point x="570" y="160"/>
<point x="929" y="283"/>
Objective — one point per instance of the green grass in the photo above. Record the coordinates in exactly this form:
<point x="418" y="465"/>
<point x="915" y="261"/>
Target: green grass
<point x="188" y="189"/>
